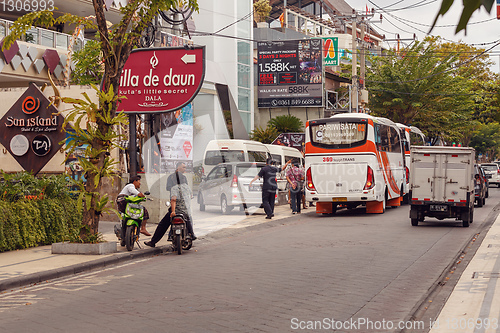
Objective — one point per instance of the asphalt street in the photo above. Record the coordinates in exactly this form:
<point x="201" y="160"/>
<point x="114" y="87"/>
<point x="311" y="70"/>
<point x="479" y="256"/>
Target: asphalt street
<point x="351" y="272"/>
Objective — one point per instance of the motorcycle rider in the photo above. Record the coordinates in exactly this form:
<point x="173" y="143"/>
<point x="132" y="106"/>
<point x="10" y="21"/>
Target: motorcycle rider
<point x="132" y="189"/>
<point x="175" y="178"/>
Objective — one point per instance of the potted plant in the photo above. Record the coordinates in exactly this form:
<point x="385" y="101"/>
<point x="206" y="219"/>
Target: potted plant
<point x="261" y="9"/>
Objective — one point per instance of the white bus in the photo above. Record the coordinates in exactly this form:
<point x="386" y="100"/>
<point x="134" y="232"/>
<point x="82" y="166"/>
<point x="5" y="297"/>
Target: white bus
<point x="353" y="159"/>
<point x="410" y="136"/>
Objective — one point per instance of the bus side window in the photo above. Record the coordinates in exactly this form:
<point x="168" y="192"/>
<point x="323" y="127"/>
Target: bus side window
<point x="378" y="141"/>
<point x="384" y="138"/>
<point x="396" y="146"/>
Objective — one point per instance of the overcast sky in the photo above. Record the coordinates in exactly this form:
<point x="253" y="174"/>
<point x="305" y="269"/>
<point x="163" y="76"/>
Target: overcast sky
<point x="416" y="16"/>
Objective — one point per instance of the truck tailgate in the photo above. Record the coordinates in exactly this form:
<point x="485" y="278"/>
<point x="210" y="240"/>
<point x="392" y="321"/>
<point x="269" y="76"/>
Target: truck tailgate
<point x="443" y="177"/>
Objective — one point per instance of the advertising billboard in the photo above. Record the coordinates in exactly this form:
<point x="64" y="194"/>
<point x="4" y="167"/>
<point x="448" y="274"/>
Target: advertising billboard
<point x="290" y="73"/>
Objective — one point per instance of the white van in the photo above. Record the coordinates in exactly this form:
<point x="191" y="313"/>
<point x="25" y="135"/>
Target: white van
<point x="232" y="150"/>
<point x="281" y="155"/>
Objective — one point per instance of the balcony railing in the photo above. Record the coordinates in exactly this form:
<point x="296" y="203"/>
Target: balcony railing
<point x="44" y="37"/>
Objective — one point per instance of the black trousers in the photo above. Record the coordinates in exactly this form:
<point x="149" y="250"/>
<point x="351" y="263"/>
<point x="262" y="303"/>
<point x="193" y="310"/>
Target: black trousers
<point x="296" y="199"/>
<point x="165" y="222"/>
<point x="162" y="227"/>
<point x="268" y="198"/>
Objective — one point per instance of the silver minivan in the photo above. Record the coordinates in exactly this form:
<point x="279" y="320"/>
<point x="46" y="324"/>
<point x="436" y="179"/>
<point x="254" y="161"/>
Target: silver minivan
<point x="492" y="171"/>
<point x="227" y="186"/>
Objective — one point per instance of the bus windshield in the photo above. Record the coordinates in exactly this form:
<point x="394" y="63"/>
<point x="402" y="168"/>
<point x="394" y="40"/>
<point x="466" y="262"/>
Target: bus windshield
<point x="338" y="134"/>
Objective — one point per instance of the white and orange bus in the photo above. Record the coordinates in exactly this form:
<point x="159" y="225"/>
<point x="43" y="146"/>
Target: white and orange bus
<point x="353" y="159"/>
<point x="410" y="136"/>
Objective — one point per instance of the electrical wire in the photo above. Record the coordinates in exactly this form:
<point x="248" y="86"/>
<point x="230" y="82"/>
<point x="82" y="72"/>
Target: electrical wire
<point x="416" y="5"/>
<point x="431" y="94"/>
<point x="442" y="72"/>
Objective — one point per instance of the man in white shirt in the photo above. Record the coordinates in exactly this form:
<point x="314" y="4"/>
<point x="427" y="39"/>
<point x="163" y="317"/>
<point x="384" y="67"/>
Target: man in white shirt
<point x="132" y="189"/>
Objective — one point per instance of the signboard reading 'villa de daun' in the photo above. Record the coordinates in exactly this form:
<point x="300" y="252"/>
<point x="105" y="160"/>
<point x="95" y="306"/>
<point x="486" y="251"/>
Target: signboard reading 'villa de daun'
<point x="158" y="80"/>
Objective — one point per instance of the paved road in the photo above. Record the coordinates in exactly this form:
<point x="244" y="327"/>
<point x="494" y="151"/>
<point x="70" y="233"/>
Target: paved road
<point x="365" y="272"/>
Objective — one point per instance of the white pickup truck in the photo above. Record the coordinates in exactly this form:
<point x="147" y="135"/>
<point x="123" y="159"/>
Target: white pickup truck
<point x="442" y="183"/>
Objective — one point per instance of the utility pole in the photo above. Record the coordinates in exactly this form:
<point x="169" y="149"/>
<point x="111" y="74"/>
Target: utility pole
<point x="354" y="18"/>
<point x="354" y="63"/>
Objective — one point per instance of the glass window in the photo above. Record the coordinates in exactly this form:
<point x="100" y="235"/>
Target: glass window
<point x="257" y="156"/>
<point x="245" y="117"/>
<point x="387" y="138"/>
<point x="276" y="158"/>
<point x="32" y="36"/>
<point x="244" y="53"/>
<point x="490" y="167"/>
<point x="338" y="134"/>
<point x="214" y="157"/>
<point x="3" y="29"/>
<point x="243" y="76"/>
<point x="243" y="99"/>
<point x="47" y="38"/>
<point x="249" y="171"/>
<point x="213" y="174"/>
<point x="61" y="41"/>
<point x="416" y="139"/>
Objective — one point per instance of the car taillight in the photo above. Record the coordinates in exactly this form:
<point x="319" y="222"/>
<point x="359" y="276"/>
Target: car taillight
<point x="309" y="182"/>
<point x="370" y="180"/>
<point x="234" y="183"/>
<point x="498" y="170"/>
<point x="177" y="220"/>
<point x="407" y="175"/>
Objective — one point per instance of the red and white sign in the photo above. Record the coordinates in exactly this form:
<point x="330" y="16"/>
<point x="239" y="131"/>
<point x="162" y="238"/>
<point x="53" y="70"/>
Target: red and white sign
<point x="187" y="148"/>
<point x="161" y="79"/>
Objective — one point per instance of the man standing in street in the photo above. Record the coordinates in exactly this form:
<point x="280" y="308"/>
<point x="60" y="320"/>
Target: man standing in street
<point x="269" y="186"/>
<point x="175" y="178"/>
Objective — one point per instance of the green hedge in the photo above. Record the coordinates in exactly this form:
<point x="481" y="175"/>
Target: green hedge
<point x="28" y="223"/>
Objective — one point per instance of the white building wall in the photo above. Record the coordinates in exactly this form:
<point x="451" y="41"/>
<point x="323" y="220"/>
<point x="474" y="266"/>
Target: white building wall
<point x="220" y="16"/>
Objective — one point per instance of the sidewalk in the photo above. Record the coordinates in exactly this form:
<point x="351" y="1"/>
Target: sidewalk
<point x="34" y="265"/>
<point x="474" y="304"/>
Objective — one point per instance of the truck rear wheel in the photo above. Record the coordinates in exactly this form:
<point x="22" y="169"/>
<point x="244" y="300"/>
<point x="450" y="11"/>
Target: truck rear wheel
<point x="414" y="222"/>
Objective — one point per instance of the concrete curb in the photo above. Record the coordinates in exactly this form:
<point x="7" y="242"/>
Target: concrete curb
<point x="81" y="267"/>
<point x="434" y="300"/>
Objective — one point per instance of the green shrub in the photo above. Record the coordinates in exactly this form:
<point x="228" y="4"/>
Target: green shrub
<point x="50" y="216"/>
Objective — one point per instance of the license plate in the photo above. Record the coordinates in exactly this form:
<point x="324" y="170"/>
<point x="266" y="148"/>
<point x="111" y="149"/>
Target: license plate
<point x="488" y="176"/>
<point x="178" y="231"/>
<point x="255" y="187"/>
<point x="339" y="199"/>
<point x="439" y="208"/>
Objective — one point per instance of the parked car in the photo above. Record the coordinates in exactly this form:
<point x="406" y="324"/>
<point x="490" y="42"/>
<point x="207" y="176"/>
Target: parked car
<point x="227" y="186"/>
<point x="480" y="185"/>
<point x="492" y="171"/>
<point x="232" y="150"/>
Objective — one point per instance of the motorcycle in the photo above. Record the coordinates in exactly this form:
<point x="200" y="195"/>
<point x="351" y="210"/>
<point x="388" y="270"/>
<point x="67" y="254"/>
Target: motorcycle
<point x="132" y="218"/>
<point x="181" y="240"/>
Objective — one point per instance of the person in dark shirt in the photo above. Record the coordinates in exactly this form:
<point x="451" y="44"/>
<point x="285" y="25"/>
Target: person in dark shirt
<point x="269" y="185"/>
<point x="176" y="178"/>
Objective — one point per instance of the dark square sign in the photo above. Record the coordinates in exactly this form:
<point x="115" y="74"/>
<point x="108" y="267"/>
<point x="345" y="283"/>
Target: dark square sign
<point x="31" y="130"/>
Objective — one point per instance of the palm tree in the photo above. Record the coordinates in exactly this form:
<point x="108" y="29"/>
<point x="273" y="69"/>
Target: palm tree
<point x="286" y="124"/>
